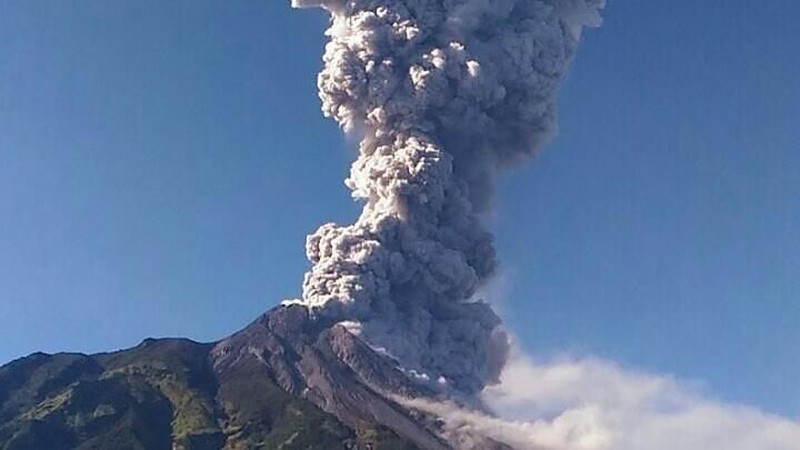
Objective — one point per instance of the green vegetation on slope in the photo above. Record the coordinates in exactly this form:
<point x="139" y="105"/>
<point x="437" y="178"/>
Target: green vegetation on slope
<point x="162" y="394"/>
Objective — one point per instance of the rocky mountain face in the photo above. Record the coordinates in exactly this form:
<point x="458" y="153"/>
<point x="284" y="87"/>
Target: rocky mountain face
<point x="283" y="382"/>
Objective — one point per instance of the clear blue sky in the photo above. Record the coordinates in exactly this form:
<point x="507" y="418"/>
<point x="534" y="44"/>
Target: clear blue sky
<point x="161" y="164"/>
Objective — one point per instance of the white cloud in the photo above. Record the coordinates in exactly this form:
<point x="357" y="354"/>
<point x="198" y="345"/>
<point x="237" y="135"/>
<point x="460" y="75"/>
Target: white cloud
<point x="591" y="404"/>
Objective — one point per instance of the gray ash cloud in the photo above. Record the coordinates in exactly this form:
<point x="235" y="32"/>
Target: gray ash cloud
<point x="443" y="94"/>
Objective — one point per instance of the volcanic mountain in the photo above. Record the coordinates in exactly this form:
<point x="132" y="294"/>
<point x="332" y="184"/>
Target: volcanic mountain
<point x="442" y="95"/>
<point x="283" y="382"/>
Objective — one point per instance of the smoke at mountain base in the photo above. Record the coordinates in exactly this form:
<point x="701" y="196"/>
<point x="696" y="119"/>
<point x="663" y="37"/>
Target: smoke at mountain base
<point x="594" y="404"/>
<point x="443" y="93"/>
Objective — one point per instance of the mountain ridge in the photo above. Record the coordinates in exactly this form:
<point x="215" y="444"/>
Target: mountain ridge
<point x="286" y="381"/>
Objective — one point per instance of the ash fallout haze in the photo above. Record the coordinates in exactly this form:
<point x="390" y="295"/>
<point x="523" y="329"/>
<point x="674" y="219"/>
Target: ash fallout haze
<point x="622" y="278"/>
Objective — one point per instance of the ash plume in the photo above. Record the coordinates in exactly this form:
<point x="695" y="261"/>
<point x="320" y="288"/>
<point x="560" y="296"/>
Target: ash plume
<point x="443" y="93"/>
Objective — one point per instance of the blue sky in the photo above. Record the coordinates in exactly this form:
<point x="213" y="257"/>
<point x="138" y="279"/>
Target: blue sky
<point x="161" y="164"/>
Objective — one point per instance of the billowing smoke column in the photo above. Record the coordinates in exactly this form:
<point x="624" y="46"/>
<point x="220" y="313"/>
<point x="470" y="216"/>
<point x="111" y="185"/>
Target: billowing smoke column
<point x="443" y="92"/>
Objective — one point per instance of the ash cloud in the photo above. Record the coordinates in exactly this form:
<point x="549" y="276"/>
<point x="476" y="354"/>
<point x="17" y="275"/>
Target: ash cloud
<point x="595" y="404"/>
<point x="443" y="93"/>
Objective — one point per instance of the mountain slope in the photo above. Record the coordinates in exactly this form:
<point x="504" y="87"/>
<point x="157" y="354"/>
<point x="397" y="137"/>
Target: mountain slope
<point x="164" y="394"/>
<point x="286" y="381"/>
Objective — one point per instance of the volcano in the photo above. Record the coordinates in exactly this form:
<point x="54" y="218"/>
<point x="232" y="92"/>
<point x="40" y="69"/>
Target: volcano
<point x="285" y="381"/>
<point x="442" y="95"/>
